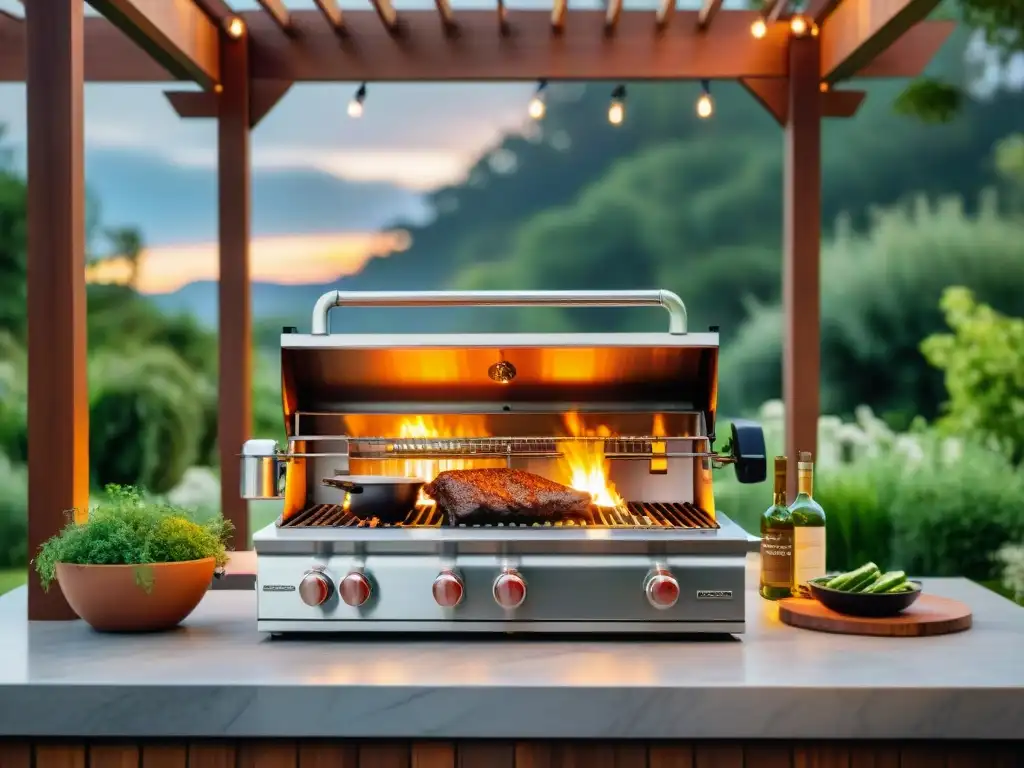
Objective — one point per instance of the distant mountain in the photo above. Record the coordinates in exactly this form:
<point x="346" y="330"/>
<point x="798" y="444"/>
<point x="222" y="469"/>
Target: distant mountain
<point x="175" y="204"/>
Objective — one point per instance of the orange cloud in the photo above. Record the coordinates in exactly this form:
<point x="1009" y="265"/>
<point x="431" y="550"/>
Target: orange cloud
<point x="284" y="259"/>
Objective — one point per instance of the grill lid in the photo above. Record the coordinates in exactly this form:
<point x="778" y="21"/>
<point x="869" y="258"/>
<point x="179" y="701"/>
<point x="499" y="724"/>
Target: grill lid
<point x="494" y="373"/>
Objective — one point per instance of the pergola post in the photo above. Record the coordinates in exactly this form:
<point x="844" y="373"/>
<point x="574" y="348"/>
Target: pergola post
<point x="234" y="380"/>
<point x="58" y="407"/>
<point x="801" y="288"/>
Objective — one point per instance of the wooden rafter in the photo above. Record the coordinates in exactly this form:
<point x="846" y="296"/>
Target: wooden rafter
<point x="707" y="13"/>
<point x="819" y="10"/>
<point x="444" y="10"/>
<point x="774" y="9"/>
<point x="8" y="16"/>
<point x="859" y="30"/>
<point x="558" y="10"/>
<point x="663" y="16"/>
<point x="503" y="25"/>
<point x="725" y="51"/>
<point x="277" y="11"/>
<point x="174" y="32"/>
<point x="332" y="13"/>
<point x="217" y="10"/>
<point x="909" y="55"/>
<point x="387" y="14"/>
<point x="611" y="16"/>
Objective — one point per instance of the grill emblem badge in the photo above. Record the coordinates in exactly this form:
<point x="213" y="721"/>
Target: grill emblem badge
<point x="278" y="587"/>
<point x="714" y="594"/>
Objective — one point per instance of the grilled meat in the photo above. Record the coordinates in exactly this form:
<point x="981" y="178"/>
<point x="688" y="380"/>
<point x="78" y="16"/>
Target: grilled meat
<point x="482" y="496"/>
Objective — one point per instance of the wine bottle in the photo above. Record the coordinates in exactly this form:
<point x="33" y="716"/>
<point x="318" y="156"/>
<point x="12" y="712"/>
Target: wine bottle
<point x="808" y="529"/>
<point x="777" y="541"/>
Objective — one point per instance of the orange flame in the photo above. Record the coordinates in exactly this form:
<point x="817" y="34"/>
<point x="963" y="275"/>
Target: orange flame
<point x="586" y="462"/>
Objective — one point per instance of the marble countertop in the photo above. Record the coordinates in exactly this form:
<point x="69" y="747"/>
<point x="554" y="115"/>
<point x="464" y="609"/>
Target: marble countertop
<point x="217" y="676"/>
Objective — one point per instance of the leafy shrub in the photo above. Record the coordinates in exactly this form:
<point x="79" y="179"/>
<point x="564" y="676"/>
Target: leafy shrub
<point x="880" y="297"/>
<point x="983" y="362"/>
<point x="13" y="514"/>
<point x="125" y="529"/>
<point x="146" y="420"/>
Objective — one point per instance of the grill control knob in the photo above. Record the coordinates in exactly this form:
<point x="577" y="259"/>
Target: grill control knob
<point x="509" y="589"/>
<point x="315" y="588"/>
<point x="355" y="589"/>
<point x="448" y="589"/>
<point x="662" y="589"/>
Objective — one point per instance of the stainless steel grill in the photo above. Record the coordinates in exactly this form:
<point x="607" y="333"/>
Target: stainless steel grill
<point x="636" y="514"/>
<point x="636" y="411"/>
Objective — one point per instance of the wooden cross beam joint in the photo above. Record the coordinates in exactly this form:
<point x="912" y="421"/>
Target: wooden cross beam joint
<point x="773" y="95"/>
<point x="263" y="97"/>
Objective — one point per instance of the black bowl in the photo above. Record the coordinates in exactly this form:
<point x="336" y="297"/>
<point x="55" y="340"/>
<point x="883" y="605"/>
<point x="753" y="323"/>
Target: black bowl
<point x="874" y="606"/>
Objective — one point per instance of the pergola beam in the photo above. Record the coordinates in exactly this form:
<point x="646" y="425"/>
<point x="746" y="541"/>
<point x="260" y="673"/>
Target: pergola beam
<point x="387" y="14"/>
<point x="724" y="51"/>
<point x="859" y="30"/>
<point x="773" y="95"/>
<point x="531" y="52"/>
<point x="707" y="12"/>
<point x="174" y="32"/>
<point x="774" y="9"/>
<point x="663" y="16"/>
<point x="217" y="10"/>
<point x="332" y="14"/>
<point x="444" y="10"/>
<point x="559" y="8"/>
<point x="263" y="97"/>
<point x="277" y="11"/>
<point x="611" y="16"/>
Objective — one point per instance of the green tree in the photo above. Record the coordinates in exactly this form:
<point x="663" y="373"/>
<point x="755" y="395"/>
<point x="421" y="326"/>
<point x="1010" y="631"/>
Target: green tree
<point x="880" y="297"/>
<point x="938" y="99"/>
<point x="982" y="360"/>
<point x="126" y="243"/>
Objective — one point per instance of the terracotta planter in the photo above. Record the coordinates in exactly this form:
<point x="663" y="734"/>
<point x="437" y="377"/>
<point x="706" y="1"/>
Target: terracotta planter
<point x="135" y="598"/>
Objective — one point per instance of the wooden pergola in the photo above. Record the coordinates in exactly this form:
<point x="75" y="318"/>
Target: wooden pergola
<point x="244" y="63"/>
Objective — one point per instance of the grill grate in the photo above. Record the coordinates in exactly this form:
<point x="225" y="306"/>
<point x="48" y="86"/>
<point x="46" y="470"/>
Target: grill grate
<point x="636" y="514"/>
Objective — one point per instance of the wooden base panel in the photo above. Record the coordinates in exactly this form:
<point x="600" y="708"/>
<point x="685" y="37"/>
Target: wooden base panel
<point x="282" y="753"/>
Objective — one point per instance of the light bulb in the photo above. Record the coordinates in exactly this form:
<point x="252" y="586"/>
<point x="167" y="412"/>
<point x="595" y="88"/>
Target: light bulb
<point x="705" y="107"/>
<point x="536" y="108"/>
<point x="616" y="113"/>
<point x="355" y="108"/>
<point x="759" y="29"/>
<point x="236" y="27"/>
<point x="798" y="25"/>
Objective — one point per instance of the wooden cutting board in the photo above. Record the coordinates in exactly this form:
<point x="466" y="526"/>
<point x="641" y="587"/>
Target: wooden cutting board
<point x="929" y="615"/>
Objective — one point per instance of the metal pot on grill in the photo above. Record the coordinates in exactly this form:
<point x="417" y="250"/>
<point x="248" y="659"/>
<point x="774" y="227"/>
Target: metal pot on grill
<point x="389" y="499"/>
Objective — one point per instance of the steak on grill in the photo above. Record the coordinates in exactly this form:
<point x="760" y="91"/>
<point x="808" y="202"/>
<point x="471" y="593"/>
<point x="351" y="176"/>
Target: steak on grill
<point x="482" y="496"/>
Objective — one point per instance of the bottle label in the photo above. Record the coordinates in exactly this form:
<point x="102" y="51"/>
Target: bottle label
<point x="777" y="558"/>
<point x="808" y="553"/>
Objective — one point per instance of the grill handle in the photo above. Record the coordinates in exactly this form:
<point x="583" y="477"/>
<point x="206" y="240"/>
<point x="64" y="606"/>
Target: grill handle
<point x="660" y="298"/>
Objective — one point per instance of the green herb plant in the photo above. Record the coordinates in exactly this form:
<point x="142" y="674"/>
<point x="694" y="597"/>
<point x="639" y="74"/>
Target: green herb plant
<point x="126" y="528"/>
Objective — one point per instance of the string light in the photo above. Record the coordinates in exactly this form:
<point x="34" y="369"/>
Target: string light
<point x="798" y="25"/>
<point x="759" y="28"/>
<point x="617" y="108"/>
<point x="705" y="106"/>
<point x="355" y="107"/>
<point x="537" y="106"/>
<point x="235" y="27"/>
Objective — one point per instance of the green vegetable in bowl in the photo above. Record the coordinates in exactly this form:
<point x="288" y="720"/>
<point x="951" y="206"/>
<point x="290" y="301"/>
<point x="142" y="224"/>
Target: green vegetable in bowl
<point x="868" y="579"/>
